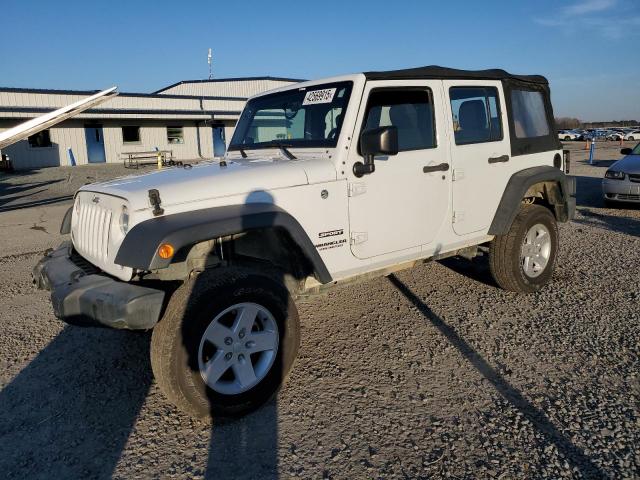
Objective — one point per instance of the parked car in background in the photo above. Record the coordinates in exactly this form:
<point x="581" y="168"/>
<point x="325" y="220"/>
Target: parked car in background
<point x="621" y="182"/>
<point x="632" y="135"/>
<point x="567" y="135"/>
<point x="615" y="136"/>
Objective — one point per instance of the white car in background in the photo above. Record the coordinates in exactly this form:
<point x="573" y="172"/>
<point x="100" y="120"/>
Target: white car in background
<point x="621" y="182"/>
<point x="567" y="135"/>
<point x="634" y="135"/>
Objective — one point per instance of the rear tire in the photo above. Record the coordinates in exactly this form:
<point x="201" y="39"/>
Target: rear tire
<point x="226" y="342"/>
<point x="522" y="260"/>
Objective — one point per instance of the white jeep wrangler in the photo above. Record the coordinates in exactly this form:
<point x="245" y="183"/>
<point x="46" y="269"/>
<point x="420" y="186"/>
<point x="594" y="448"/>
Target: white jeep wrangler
<point x="325" y="182"/>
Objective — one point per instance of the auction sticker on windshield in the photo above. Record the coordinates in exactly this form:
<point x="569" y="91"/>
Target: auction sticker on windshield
<point x="319" y="96"/>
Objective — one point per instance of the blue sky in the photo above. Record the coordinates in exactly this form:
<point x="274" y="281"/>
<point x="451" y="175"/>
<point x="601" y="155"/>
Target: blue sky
<point x="589" y="49"/>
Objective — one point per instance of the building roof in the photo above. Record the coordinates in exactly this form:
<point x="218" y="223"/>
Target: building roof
<point x="52" y="91"/>
<point x="437" y="72"/>
<point x="232" y="79"/>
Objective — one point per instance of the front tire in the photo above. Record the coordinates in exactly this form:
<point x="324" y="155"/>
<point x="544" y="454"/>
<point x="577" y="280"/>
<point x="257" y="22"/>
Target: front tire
<point x="522" y="260"/>
<point x="227" y="341"/>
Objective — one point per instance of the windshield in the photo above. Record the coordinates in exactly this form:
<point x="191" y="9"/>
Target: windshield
<point x="636" y="150"/>
<point x="304" y="117"/>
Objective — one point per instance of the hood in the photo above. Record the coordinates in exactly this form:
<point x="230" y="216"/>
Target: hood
<point x="208" y="180"/>
<point x="628" y="164"/>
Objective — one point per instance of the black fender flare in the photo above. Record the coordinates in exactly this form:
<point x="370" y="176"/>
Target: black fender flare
<point x="517" y="187"/>
<point x="65" y="226"/>
<point x="139" y="248"/>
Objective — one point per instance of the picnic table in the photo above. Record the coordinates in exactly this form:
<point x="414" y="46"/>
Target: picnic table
<point x="133" y="159"/>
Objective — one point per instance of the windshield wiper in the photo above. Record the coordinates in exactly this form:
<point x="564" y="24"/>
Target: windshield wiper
<point x="284" y="149"/>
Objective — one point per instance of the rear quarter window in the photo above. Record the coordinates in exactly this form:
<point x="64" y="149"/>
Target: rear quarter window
<point x="529" y="114"/>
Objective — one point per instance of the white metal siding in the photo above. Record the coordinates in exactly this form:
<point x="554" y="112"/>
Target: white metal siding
<point x="235" y="88"/>
<point x="63" y="136"/>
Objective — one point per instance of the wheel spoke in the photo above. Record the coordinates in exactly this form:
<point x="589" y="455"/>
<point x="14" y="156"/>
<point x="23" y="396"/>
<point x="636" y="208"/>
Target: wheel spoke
<point x="216" y="367"/>
<point x="246" y="318"/>
<point x="216" y="333"/>
<point x="261" y="341"/>
<point x="527" y="264"/>
<point x="243" y="370"/>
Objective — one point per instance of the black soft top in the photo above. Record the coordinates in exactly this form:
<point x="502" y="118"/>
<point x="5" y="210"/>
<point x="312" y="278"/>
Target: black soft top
<point x="434" y="71"/>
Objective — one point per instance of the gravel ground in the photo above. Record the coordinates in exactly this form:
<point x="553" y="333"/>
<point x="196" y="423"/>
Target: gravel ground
<point x="430" y="373"/>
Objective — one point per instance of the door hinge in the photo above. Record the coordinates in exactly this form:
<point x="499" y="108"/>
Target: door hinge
<point x="359" y="237"/>
<point x="458" y="174"/>
<point x="458" y="216"/>
<point x="357" y="189"/>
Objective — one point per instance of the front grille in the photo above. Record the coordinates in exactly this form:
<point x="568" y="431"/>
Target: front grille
<point x="93" y="226"/>
<point x="624" y="196"/>
<point x="634" y="177"/>
<point x="79" y="261"/>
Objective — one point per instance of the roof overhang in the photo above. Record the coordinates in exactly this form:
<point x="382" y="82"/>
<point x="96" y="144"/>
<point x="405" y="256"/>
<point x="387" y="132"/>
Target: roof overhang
<point x="42" y="122"/>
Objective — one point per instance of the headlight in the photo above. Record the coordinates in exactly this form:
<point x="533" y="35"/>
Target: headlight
<point x="615" y="175"/>
<point x="124" y="220"/>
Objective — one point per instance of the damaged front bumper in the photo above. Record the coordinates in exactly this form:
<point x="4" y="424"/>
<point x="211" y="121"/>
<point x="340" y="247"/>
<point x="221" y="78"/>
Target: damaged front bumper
<point x="82" y="295"/>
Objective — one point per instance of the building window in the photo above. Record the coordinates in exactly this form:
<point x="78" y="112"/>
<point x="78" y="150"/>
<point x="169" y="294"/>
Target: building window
<point x="40" y="140"/>
<point x="476" y="114"/>
<point x="175" y="135"/>
<point x="131" y="134"/>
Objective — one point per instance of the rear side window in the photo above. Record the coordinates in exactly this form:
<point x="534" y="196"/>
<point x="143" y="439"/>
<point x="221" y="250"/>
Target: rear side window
<point x="476" y="114"/>
<point x="410" y="111"/>
<point x="529" y="114"/>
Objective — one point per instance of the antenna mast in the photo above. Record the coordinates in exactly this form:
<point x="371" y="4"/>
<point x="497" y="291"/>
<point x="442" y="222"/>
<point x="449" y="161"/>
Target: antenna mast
<point x="210" y="62"/>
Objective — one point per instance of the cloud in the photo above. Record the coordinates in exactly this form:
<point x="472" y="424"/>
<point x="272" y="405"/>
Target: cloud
<point x="608" y="18"/>
<point x="588" y="6"/>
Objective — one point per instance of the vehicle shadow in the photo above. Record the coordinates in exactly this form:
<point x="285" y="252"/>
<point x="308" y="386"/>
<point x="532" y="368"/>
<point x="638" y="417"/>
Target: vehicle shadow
<point x="589" y="192"/>
<point x="574" y="454"/>
<point x="70" y="411"/>
<point x="476" y="269"/>
<point x="12" y="192"/>
<point x="613" y="223"/>
<point x="246" y="447"/>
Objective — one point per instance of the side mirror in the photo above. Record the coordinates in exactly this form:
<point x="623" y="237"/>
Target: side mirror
<point x="626" y="151"/>
<point x="375" y="141"/>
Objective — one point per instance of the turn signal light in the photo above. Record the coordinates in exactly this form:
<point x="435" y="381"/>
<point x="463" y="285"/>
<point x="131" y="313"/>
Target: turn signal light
<point x="166" y="251"/>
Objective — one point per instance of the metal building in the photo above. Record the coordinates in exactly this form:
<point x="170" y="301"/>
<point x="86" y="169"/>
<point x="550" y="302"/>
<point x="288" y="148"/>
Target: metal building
<point x="190" y="119"/>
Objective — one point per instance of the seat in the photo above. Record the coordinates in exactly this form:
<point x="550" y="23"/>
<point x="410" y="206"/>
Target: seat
<point x="472" y="119"/>
<point x="333" y="132"/>
<point x="405" y="118"/>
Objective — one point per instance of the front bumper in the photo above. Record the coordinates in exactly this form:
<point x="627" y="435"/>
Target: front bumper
<point x="82" y="297"/>
<point x="621" y="190"/>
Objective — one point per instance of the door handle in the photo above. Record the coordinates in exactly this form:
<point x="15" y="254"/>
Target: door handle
<point x="500" y="159"/>
<point x="443" y="167"/>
